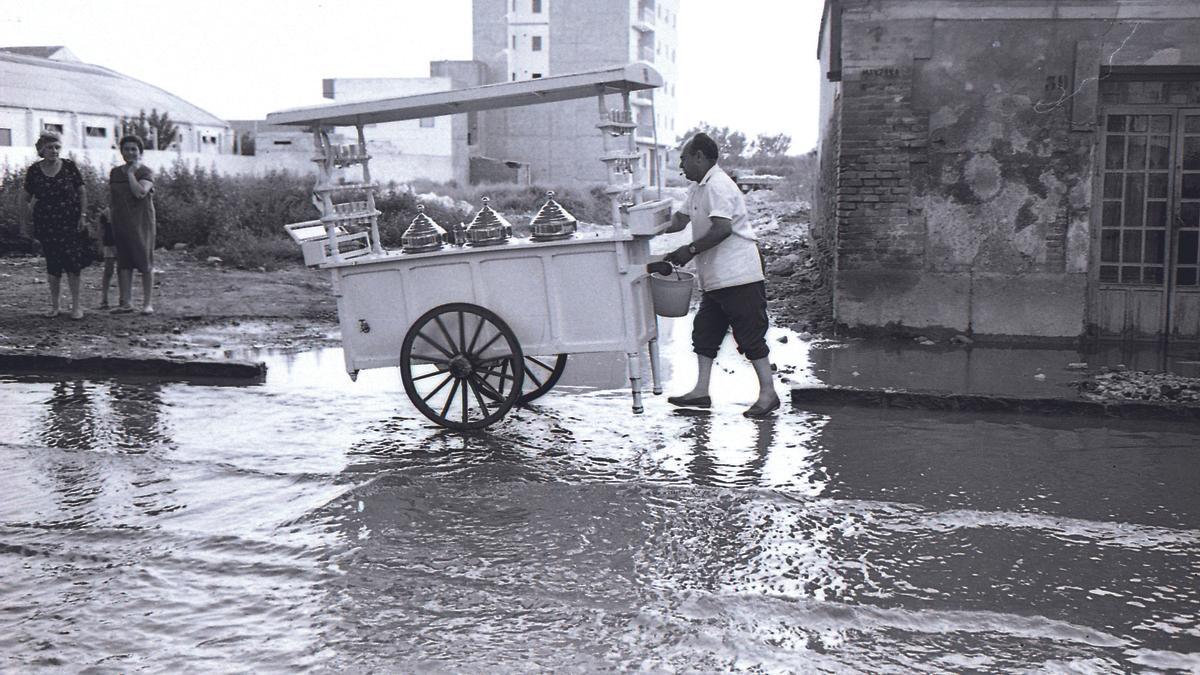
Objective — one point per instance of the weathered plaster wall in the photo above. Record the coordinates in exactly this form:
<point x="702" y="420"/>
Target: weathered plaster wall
<point x="1002" y="157"/>
<point x="965" y="168"/>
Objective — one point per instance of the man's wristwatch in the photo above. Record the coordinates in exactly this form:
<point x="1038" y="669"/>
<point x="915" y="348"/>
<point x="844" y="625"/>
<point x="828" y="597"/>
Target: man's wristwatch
<point x="691" y="248"/>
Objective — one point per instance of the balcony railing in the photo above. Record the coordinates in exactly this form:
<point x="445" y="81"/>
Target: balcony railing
<point x="644" y="20"/>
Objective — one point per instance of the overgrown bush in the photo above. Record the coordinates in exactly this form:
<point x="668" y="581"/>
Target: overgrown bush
<point x="241" y="219"/>
<point x="249" y="251"/>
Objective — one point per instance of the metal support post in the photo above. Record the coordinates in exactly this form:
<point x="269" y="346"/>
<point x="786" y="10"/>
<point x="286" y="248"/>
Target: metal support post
<point x="635" y="382"/>
<point x="655" y="377"/>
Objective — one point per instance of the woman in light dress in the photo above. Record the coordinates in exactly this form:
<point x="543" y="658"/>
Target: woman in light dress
<point x="131" y="200"/>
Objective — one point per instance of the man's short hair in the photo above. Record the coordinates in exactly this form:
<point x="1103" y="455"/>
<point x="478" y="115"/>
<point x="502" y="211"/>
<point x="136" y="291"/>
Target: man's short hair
<point x="704" y="143"/>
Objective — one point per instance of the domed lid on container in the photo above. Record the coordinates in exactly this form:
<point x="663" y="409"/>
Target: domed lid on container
<point x="553" y="221"/>
<point x="423" y="234"/>
<point x="488" y="227"/>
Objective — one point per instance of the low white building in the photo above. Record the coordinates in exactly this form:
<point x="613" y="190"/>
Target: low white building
<point x="436" y="148"/>
<point x="49" y="88"/>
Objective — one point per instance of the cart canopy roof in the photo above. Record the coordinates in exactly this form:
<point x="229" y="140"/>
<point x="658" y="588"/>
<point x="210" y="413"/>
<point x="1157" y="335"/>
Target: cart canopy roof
<point x="618" y="79"/>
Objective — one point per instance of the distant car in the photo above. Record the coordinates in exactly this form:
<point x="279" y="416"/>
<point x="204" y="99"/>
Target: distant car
<point x="747" y="181"/>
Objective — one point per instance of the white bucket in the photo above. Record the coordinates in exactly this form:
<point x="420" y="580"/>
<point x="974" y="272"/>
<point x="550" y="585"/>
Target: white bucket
<point x="672" y="294"/>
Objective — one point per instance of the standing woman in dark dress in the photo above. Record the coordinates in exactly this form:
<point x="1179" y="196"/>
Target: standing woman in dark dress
<point x="131" y="203"/>
<point x="54" y="191"/>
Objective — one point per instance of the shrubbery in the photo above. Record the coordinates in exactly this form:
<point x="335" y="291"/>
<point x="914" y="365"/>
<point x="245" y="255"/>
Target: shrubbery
<point x="240" y="218"/>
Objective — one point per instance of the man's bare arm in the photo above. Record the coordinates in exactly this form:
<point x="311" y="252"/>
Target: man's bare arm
<point x="679" y="220"/>
<point x="721" y="228"/>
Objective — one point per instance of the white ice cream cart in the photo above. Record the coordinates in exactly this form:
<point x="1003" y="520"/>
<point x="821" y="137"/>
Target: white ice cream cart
<point x="476" y="319"/>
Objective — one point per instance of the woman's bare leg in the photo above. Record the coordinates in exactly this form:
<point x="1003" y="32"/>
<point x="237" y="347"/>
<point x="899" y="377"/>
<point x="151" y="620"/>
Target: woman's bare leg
<point x="55" y="284"/>
<point x="124" y="288"/>
<point x="73" y="283"/>
<point x="147" y="292"/>
<point x="110" y="266"/>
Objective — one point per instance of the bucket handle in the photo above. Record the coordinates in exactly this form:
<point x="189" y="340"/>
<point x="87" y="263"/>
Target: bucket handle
<point x="656" y="267"/>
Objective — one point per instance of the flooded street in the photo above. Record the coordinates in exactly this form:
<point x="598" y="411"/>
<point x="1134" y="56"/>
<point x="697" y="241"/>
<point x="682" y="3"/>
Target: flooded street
<point x="314" y="523"/>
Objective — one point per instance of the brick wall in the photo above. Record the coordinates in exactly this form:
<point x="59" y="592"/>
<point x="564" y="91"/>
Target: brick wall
<point x="879" y="129"/>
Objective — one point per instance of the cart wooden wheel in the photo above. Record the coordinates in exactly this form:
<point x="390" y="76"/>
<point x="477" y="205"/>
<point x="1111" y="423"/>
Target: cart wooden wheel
<point x="541" y="374"/>
<point x="462" y="366"/>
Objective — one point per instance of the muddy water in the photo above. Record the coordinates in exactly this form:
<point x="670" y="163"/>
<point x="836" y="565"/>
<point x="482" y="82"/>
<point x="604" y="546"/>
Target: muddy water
<point x="312" y="523"/>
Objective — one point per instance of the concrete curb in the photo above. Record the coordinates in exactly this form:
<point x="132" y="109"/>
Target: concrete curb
<point x="121" y="365"/>
<point x="881" y="398"/>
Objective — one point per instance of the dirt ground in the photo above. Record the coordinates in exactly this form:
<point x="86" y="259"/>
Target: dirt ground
<point x="797" y="291"/>
<point x="207" y="310"/>
<point x="203" y="310"/>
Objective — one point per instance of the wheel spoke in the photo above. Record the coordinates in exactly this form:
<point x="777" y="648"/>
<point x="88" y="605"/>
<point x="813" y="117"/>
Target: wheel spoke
<point x="487" y="388"/>
<point x="464" y="401"/>
<point x="435" y="373"/>
<point x="449" y="340"/>
<point x="489" y="343"/>
<point x="437" y="388"/>
<point x="429" y="359"/>
<point x="504" y="374"/>
<point x="462" y="330"/>
<point x="426" y="338"/>
<point x="471" y="381"/>
<point x="450" y="398"/>
<point x="540" y="376"/>
<point x="530" y="375"/>
<point x="475" y="337"/>
<point x="501" y="374"/>
<point x="494" y="359"/>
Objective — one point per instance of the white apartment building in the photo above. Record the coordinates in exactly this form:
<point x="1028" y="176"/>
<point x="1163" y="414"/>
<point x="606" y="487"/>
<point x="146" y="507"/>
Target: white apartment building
<point x="528" y="39"/>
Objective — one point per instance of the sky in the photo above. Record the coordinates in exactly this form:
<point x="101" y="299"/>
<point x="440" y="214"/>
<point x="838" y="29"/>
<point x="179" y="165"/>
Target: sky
<point x="754" y="69"/>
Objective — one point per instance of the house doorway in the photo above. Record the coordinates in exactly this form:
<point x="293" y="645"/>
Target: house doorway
<point x="1146" y="262"/>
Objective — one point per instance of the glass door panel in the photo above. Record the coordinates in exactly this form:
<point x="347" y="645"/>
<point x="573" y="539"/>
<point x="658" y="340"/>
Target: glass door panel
<point x="1183" y="319"/>
<point x="1136" y="187"/>
<point x="1187" y="254"/>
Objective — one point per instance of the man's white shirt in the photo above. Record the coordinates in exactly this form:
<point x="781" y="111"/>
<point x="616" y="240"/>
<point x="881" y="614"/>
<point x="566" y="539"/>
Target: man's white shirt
<point x="735" y="261"/>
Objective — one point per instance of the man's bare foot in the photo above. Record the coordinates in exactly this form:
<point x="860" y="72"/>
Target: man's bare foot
<point x="50" y="313"/>
<point x="764" y="406"/>
<point x="103" y="304"/>
<point x="77" y="313"/>
<point x="148" y="309"/>
<point x="692" y="399"/>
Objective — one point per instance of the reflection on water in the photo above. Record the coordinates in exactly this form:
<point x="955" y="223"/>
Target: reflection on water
<point x="83" y="415"/>
<point x="311" y="523"/>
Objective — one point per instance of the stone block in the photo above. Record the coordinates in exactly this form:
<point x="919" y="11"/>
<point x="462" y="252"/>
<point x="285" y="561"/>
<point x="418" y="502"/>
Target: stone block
<point x="1039" y="305"/>
<point x="879" y="298"/>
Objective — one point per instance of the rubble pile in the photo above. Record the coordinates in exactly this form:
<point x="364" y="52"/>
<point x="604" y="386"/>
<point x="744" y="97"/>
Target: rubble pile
<point x="1125" y="385"/>
<point x="798" y="292"/>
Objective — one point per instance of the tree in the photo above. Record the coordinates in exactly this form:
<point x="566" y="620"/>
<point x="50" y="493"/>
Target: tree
<point x="732" y="144"/>
<point x="156" y="131"/>
<point x="768" y="147"/>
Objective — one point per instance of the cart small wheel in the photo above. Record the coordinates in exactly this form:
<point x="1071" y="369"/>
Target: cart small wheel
<point x="541" y="374"/>
<point x="462" y="366"/>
